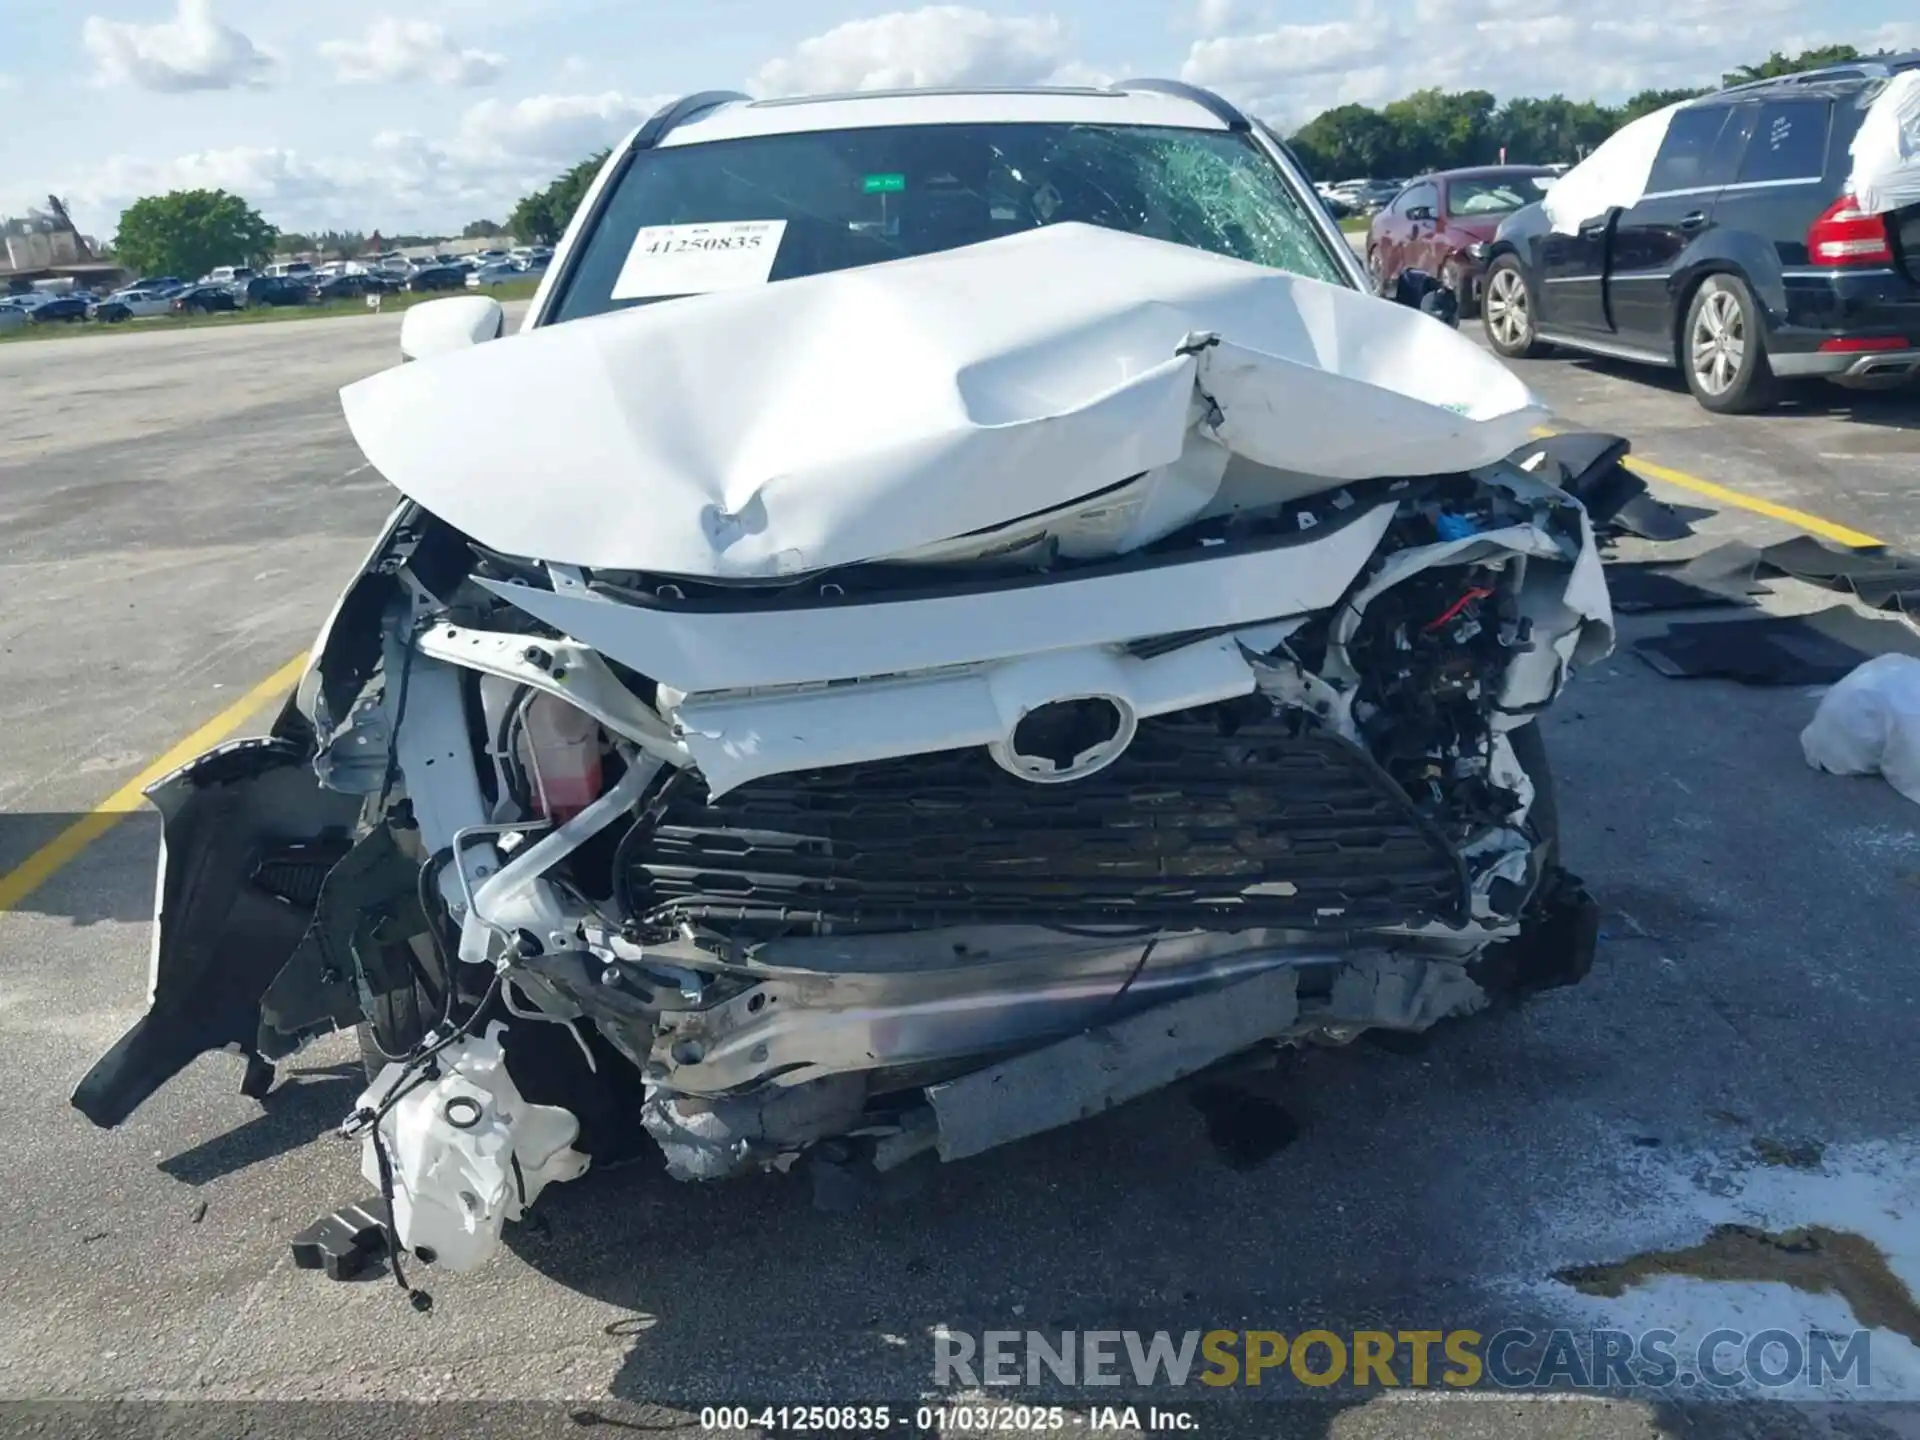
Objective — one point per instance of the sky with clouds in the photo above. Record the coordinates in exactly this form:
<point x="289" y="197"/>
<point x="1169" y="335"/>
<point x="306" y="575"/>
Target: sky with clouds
<point x="360" y="114"/>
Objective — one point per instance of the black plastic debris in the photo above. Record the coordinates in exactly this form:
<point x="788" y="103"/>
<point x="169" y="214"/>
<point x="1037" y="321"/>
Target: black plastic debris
<point x="1591" y="466"/>
<point x="1648" y="518"/>
<point x="1815" y="649"/>
<point x="1556" y="948"/>
<point x="346" y="1242"/>
<point x="1882" y="578"/>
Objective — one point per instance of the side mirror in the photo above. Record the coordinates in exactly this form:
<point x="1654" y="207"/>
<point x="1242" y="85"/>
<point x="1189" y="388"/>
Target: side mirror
<point x="1420" y="212"/>
<point x="1421" y="291"/>
<point x="458" y="323"/>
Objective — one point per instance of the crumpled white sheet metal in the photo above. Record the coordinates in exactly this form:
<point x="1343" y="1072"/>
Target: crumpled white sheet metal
<point x="741" y="737"/>
<point x="1869" y="723"/>
<point x="1614" y="174"/>
<point x="1886" y="149"/>
<point x="732" y="649"/>
<point x="864" y="413"/>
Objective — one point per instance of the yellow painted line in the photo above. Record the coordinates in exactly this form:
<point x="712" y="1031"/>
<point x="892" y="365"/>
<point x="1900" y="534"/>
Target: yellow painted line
<point x="47" y="861"/>
<point x="1813" y="524"/>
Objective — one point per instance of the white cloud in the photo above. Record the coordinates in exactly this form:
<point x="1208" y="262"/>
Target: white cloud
<point x="934" y="45"/>
<point x="1220" y="17"/>
<point x="1268" y="60"/>
<point x="1075" y="72"/>
<point x="496" y="152"/>
<point x="192" y="51"/>
<point x="561" y="129"/>
<point x="396" y="50"/>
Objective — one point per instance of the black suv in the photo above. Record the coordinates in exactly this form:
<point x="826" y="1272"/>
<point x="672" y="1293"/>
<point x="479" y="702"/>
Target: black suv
<point x="1744" y="262"/>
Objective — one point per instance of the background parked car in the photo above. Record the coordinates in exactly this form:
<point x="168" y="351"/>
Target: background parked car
<point x="1374" y="195"/>
<point x="1744" y="260"/>
<point x="204" y="300"/>
<point x="12" y="316"/>
<point x="271" y="290"/>
<point x="350" y="287"/>
<point x="1444" y="224"/>
<point x="503" y="272"/>
<point x="60" y="308"/>
<point x="129" y="304"/>
<point x="437" y="277"/>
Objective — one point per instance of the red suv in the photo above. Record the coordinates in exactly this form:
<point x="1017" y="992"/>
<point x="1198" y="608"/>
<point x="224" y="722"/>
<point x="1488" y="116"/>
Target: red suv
<point x="1443" y="223"/>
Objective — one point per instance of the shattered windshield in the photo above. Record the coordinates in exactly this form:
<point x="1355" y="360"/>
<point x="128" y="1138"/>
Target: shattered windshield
<point x="692" y="218"/>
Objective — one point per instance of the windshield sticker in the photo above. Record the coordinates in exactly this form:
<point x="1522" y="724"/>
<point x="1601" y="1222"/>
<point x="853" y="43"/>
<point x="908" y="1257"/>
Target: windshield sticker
<point x="884" y="184"/>
<point x="698" y="259"/>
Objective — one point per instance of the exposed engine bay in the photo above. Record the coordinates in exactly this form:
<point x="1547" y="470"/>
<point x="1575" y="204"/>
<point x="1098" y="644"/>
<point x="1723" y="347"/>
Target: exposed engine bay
<point x="851" y="855"/>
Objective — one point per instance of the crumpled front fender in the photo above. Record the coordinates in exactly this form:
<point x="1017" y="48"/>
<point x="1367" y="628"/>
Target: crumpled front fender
<point x="247" y="836"/>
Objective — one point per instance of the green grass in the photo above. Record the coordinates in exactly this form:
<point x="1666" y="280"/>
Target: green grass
<point x="1355" y="224"/>
<point x="260" y="315"/>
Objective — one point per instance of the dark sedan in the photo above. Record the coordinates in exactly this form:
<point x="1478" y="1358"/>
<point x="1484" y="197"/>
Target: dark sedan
<point x="438" y="277"/>
<point x="69" y="308"/>
<point x="272" y="290"/>
<point x="350" y="287"/>
<point x="1443" y="223"/>
<point x="204" y="300"/>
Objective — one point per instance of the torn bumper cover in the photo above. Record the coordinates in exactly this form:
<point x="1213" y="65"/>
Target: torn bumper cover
<point x="826" y="702"/>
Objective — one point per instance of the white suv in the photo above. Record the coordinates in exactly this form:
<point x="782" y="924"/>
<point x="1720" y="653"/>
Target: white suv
<point x="824" y="690"/>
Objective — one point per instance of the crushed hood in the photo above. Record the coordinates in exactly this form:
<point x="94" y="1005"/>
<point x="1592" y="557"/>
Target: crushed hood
<point x="870" y="412"/>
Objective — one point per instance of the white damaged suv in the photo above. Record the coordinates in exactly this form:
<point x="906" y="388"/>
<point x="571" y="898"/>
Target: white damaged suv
<point x="954" y="611"/>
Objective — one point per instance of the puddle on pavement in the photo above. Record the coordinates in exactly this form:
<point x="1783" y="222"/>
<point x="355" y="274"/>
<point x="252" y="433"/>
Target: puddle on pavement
<point x="1245" y="1129"/>
<point x="1815" y="1260"/>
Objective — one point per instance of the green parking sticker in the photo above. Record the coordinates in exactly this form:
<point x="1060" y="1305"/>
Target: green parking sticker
<point x="884" y="184"/>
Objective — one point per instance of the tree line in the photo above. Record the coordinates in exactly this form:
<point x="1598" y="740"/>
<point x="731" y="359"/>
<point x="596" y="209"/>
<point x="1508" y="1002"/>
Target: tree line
<point x="1443" y="130"/>
<point x="189" y="232"/>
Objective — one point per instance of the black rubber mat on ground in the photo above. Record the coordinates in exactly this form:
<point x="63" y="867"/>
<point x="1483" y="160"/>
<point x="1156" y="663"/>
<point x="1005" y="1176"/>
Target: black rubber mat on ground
<point x="1725" y="575"/>
<point x="1642" y="586"/>
<point x="1815" y="649"/>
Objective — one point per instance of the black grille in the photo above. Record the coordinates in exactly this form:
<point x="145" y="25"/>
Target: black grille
<point x="1190" y="828"/>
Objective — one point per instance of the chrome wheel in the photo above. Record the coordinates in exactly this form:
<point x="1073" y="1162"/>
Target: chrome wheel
<point x="1718" y="345"/>
<point x="1506" y="307"/>
<point x="1373" y="270"/>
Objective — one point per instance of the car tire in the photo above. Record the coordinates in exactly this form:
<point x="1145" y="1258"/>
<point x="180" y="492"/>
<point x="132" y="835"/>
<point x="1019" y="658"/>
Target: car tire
<point x="1507" y="312"/>
<point x="1374" y="275"/>
<point x="1454" y="276"/>
<point x="401" y="1018"/>
<point x="1723" y="348"/>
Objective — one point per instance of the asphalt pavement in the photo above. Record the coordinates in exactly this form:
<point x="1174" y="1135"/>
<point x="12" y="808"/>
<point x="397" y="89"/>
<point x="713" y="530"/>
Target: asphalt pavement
<point x="178" y="510"/>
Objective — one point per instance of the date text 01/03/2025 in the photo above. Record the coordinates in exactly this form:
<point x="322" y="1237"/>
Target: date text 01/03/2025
<point x="943" y="1419"/>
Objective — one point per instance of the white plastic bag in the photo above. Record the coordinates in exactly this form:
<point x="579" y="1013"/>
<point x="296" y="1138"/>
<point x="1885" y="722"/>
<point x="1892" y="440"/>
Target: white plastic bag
<point x="1886" y="151"/>
<point x="1870" y="722"/>
<point x="1615" y="174"/>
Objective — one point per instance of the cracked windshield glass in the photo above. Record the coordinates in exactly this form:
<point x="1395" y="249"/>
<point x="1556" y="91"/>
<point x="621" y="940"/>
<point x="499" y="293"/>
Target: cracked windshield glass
<point x="831" y="200"/>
